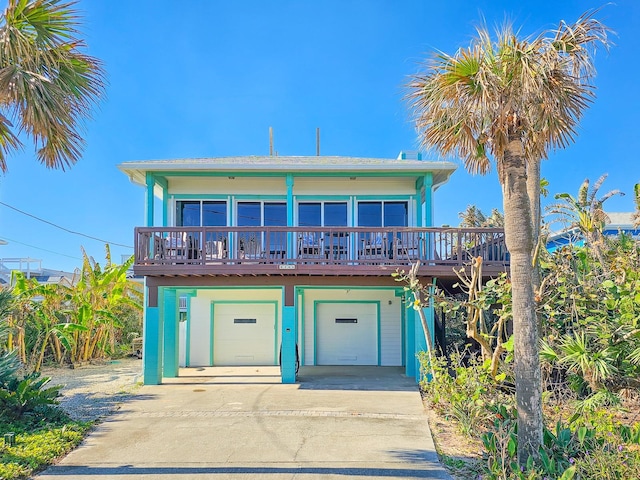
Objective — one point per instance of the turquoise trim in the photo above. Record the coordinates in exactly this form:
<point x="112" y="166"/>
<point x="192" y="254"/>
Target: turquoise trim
<point x="315" y="324"/>
<point x="321" y="198"/>
<point x="152" y="339"/>
<point x="288" y="348"/>
<point x="297" y="174"/>
<point x="344" y="287"/>
<point x="420" y="346"/>
<point x="290" y="212"/>
<point x="240" y="302"/>
<point x="428" y="200"/>
<point x="199" y="196"/>
<point x="302" y="328"/>
<point x="150" y="182"/>
<point x="187" y="344"/>
<point x="165" y="207"/>
<point x="403" y="332"/>
<point x="169" y="315"/>
<point x="410" y="359"/>
<point x="368" y="198"/>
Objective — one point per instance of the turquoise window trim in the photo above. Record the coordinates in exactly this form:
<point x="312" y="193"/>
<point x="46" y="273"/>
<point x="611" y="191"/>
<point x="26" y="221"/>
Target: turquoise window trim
<point x="322" y="198"/>
<point x="344" y="287"/>
<point x="231" y="287"/>
<point x="315" y="325"/>
<point x="244" y="198"/>
<point x="384" y="198"/>
<point x="197" y="196"/>
<point x="240" y="302"/>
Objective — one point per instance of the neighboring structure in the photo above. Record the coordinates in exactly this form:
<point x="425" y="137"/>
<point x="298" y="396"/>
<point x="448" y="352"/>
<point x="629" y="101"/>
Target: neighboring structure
<point x="619" y="222"/>
<point x="288" y="260"/>
<point x="32" y="268"/>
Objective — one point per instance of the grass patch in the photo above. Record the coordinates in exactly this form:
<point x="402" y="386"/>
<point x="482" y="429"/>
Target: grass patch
<point x="35" y="449"/>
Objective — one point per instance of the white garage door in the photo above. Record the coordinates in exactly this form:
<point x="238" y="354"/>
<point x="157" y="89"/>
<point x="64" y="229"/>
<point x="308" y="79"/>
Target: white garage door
<point x="346" y="334"/>
<point x="244" y="334"/>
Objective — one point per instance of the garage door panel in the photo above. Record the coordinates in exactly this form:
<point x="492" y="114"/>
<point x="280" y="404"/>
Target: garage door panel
<point x="346" y="334"/>
<point x="244" y="334"/>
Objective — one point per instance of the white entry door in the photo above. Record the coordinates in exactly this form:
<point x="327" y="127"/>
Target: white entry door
<point x="346" y="334"/>
<point x="244" y="334"/>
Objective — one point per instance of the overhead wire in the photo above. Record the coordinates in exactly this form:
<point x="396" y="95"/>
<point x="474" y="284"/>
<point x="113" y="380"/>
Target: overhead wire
<point x="39" y="248"/>
<point x="63" y="228"/>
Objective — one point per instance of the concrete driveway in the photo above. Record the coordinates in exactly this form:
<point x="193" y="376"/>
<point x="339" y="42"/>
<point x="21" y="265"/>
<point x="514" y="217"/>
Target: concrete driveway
<point x="241" y="423"/>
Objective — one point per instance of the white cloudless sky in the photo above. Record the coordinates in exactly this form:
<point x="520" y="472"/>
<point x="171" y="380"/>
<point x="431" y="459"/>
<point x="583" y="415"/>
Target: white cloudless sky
<point x="207" y="78"/>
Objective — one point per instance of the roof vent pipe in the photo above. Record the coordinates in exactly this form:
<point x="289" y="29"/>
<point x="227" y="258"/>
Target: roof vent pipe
<point x="317" y="141"/>
<point x="271" y="141"/>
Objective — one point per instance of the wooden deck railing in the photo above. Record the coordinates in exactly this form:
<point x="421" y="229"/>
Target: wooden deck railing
<point x="332" y="248"/>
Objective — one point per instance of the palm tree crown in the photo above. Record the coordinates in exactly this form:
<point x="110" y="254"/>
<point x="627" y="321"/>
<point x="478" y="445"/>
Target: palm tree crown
<point x="472" y="103"/>
<point x="47" y="85"/>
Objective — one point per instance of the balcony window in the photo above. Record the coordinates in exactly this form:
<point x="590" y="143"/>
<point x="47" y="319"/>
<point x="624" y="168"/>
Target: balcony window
<point x="257" y="214"/>
<point x="197" y="213"/>
<point x="320" y="214"/>
<point x="383" y="214"/>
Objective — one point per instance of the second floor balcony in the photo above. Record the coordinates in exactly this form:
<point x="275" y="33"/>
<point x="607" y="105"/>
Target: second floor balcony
<point x="315" y="250"/>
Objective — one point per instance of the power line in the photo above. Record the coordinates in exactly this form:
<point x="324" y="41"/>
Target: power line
<point x="64" y="229"/>
<point x="40" y="248"/>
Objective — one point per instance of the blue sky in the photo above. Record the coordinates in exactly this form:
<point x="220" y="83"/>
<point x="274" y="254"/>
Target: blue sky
<point x="209" y="80"/>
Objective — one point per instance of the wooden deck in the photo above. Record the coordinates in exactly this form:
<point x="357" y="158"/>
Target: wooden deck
<point x="325" y="251"/>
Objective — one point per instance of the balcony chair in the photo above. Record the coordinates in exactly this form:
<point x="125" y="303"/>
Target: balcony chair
<point x="310" y="246"/>
<point x="216" y="250"/>
<point x="374" y="246"/>
<point x="407" y="246"/>
<point x="336" y="245"/>
<point x="251" y="249"/>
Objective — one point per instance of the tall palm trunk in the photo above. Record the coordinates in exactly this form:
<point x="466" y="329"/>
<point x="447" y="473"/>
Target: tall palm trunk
<point x="519" y="239"/>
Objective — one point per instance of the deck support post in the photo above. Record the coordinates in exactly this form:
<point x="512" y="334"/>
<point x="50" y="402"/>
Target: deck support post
<point x="411" y="361"/>
<point x="420" y="345"/>
<point x="288" y="345"/>
<point x="171" y="335"/>
<point x="152" y="348"/>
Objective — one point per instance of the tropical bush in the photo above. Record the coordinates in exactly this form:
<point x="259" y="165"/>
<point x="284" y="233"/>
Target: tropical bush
<point x="588" y="306"/>
<point x="84" y="319"/>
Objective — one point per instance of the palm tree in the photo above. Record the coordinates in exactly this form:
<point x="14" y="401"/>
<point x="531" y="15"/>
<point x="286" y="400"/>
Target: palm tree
<point x="511" y="99"/>
<point x="586" y="213"/>
<point x="47" y="85"/>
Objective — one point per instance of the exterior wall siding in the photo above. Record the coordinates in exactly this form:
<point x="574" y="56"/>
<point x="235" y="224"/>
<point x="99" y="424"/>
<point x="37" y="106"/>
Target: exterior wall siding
<point x="360" y="186"/>
<point x="206" y="185"/>
<point x="390" y="320"/>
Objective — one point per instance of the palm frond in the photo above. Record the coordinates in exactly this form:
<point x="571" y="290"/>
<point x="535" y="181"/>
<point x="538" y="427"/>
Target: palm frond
<point x="532" y="90"/>
<point x="47" y="83"/>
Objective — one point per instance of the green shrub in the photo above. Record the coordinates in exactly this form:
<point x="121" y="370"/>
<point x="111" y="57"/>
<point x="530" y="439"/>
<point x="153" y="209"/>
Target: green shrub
<point x="20" y="397"/>
<point x="463" y="392"/>
<point x="592" y="450"/>
<point x="36" y="449"/>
